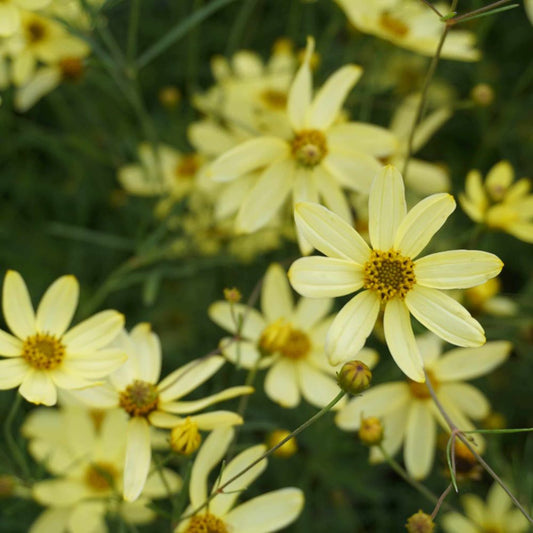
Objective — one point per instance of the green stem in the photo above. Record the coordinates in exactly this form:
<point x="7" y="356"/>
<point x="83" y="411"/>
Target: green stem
<point x="14" y="449"/>
<point x="133" y="30"/>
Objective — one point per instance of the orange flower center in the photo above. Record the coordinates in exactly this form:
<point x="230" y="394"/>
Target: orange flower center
<point x="43" y="351"/>
<point x="139" y="399"/>
<point x="101" y="476"/>
<point x="206" y="523"/>
<point x="420" y="390"/>
<point x="309" y="147"/>
<point x="274" y="99"/>
<point x="393" y="25"/>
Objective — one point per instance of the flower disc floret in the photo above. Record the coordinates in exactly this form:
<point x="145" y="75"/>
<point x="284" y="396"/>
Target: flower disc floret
<point x="420" y="390"/>
<point x="35" y="31"/>
<point x="393" y="25"/>
<point x="281" y="337"/>
<point x="43" y="351"/>
<point x="309" y="147"/>
<point x="100" y="476"/>
<point x="139" y="399"/>
<point x="206" y="523"/>
<point x="390" y="274"/>
<point x="274" y="99"/>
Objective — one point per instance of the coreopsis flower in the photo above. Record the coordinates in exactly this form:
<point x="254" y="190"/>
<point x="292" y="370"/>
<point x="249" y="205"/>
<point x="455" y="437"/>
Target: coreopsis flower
<point x="10" y="13"/>
<point x="392" y="276"/>
<point x="316" y="159"/>
<point x="411" y="25"/>
<point x="263" y="514"/>
<point x="135" y="387"/>
<point x="408" y="412"/>
<point x="496" y="514"/>
<point x="85" y="452"/>
<point x="43" y="355"/>
<point x="499" y="203"/>
<point x="486" y="298"/>
<point x="287" y="338"/>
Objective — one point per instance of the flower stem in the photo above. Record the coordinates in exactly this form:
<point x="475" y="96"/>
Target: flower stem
<point x="14" y="449"/>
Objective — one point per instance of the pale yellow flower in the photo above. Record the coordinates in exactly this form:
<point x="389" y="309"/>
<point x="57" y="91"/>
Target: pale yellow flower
<point x="263" y="514"/>
<point x="317" y="158"/>
<point x="392" y="277"/>
<point x="42" y="355"/>
<point x="287" y="338"/>
<point x="500" y="202"/>
<point x="496" y="515"/>
<point x="135" y="387"/>
<point x="85" y="452"/>
<point x="408" y="412"/>
<point x="10" y="14"/>
<point x="410" y="24"/>
<point x="485" y="298"/>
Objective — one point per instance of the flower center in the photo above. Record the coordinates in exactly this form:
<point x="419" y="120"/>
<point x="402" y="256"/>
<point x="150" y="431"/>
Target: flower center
<point x="139" y="399"/>
<point x="309" y="147"/>
<point x="35" y="31"/>
<point x="43" y="351"/>
<point x="393" y="25"/>
<point x="281" y="337"/>
<point x="206" y="523"/>
<point x="101" y="476"/>
<point x="185" y="438"/>
<point x="390" y="274"/>
<point x="71" y="68"/>
<point x="420" y="390"/>
<point x="297" y="345"/>
<point x="274" y="99"/>
<point x="187" y="167"/>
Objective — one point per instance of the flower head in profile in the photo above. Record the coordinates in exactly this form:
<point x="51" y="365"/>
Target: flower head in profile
<point x="136" y="388"/>
<point x="287" y="338"/>
<point x="390" y="274"/>
<point x="498" y="202"/>
<point x="43" y="355"/>
<point x="264" y="514"/>
<point x="495" y="515"/>
<point x="407" y="411"/>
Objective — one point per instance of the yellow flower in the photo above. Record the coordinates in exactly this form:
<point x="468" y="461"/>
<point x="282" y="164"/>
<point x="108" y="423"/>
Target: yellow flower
<point x="263" y="514"/>
<point x="409" y="24"/>
<point x="86" y="459"/>
<point x="316" y="159"/>
<point x="390" y="274"/>
<point x="286" y="337"/>
<point x="494" y="516"/>
<point x="499" y="203"/>
<point x="10" y="14"/>
<point x="42" y="355"/>
<point x="485" y="298"/>
<point x="408" y="412"/>
<point x="135" y="387"/>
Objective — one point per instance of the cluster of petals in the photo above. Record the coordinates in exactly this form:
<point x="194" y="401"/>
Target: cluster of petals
<point x="392" y="230"/>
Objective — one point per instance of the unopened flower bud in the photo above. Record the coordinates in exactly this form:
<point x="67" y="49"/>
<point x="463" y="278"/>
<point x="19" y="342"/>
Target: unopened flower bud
<point x="185" y="439"/>
<point x="482" y="94"/>
<point x="354" y="377"/>
<point x="371" y="431"/>
<point x="286" y="450"/>
<point x="232" y="295"/>
<point x="420" y="523"/>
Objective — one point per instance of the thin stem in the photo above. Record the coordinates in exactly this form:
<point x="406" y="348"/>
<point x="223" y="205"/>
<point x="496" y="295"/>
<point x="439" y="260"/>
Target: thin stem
<point x="433" y="8"/>
<point x="441" y="501"/>
<point x="10" y="439"/>
<point x="461" y="18"/>
<point x="133" y="30"/>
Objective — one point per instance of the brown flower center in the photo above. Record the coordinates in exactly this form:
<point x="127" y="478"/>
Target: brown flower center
<point x="420" y="390"/>
<point x="71" y="68"/>
<point x="43" y="351"/>
<point x="274" y="99"/>
<point x="35" y="31"/>
<point x="206" y="523"/>
<point x="393" y="25"/>
<point x="281" y="337"/>
<point x="309" y="147"/>
<point x="187" y="167"/>
<point x="390" y="274"/>
<point x="101" y="476"/>
<point x="139" y="399"/>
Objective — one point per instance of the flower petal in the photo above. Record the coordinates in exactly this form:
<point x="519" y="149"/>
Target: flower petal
<point x="319" y="277"/>
<point x="52" y="519"/>
<point x="148" y="352"/>
<point x="317" y="388"/>
<point x="444" y="316"/>
<point x="228" y="316"/>
<point x="37" y="387"/>
<point x="138" y="456"/>
<point x="276" y="294"/>
<point x="386" y="208"/>
<point x="88" y="516"/>
<point x="94" y="365"/>
<point x="468" y="399"/>
<point x="94" y="332"/>
<point x="330" y="234"/>
<point x="13" y="372"/>
<point x="243" y="354"/>
<point x="57" y="306"/>
<point x="452" y="522"/>
<point x="310" y="311"/>
<point x="16" y="303"/>
<point x="197" y="405"/>
<point x="269" y="512"/>
<point x="351" y="327"/>
<point x="422" y="222"/>
<point x="366" y="138"/>
<point x="420" y="438"/>
<point x="328" y="101"/>
<point x="300" y="92"/>
<point x="332" y="195"/>
<point x="401" y="340"/>
<point x="60" y="492"/>
<point x="353" y="170"/>
<point x="456" y="269"/>
<point x="216" y="419"/>
<point x="9" y="346"/>
<point x="281" y="383"/>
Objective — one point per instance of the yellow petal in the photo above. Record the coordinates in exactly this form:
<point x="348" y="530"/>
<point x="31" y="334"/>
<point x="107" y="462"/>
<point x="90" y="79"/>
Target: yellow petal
<point x="276" y="295"/>
<point x="138" y="456"/>
<point x="16" y="303"/>
<point x="420" y="439"/>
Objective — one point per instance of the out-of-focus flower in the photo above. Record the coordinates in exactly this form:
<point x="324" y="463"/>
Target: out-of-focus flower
<point x="390" y="274"/>
<point x="286" y="337"/>
<point x="498" y="202"/>
<point x="316" y="158"/>
<point x="10" y="13"/>
<point x="135" y="387"/>
<point x="263" y="514"/>
<point x="286" y="450"/>
<point x="485" y="299"/>
<point x="408" y="412"/>
<point x="496" y="514"/>
<point x="87" y="460"/>
<point x="410" y="24"/>
<point x="482" y="94"/>
<point x="42" y="356"/>
<point x="420" y="523"/>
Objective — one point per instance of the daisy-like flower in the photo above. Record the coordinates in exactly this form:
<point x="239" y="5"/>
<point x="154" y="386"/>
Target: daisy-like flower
<point x="85" y="451"/>
<point x="392" y="277"/>
<point x="499" y="203"/>
<point x="317" y="158"/>
<point x="42" y="355"/>
<point x="286" y="337"/>
<point x="135" y="387"/>
<point x="408" y="412"/>
<point x="264" y="514"/>
<point x="10" y="13"/>
<point x="496" y="515"/>
<point x="410" y="24"/>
